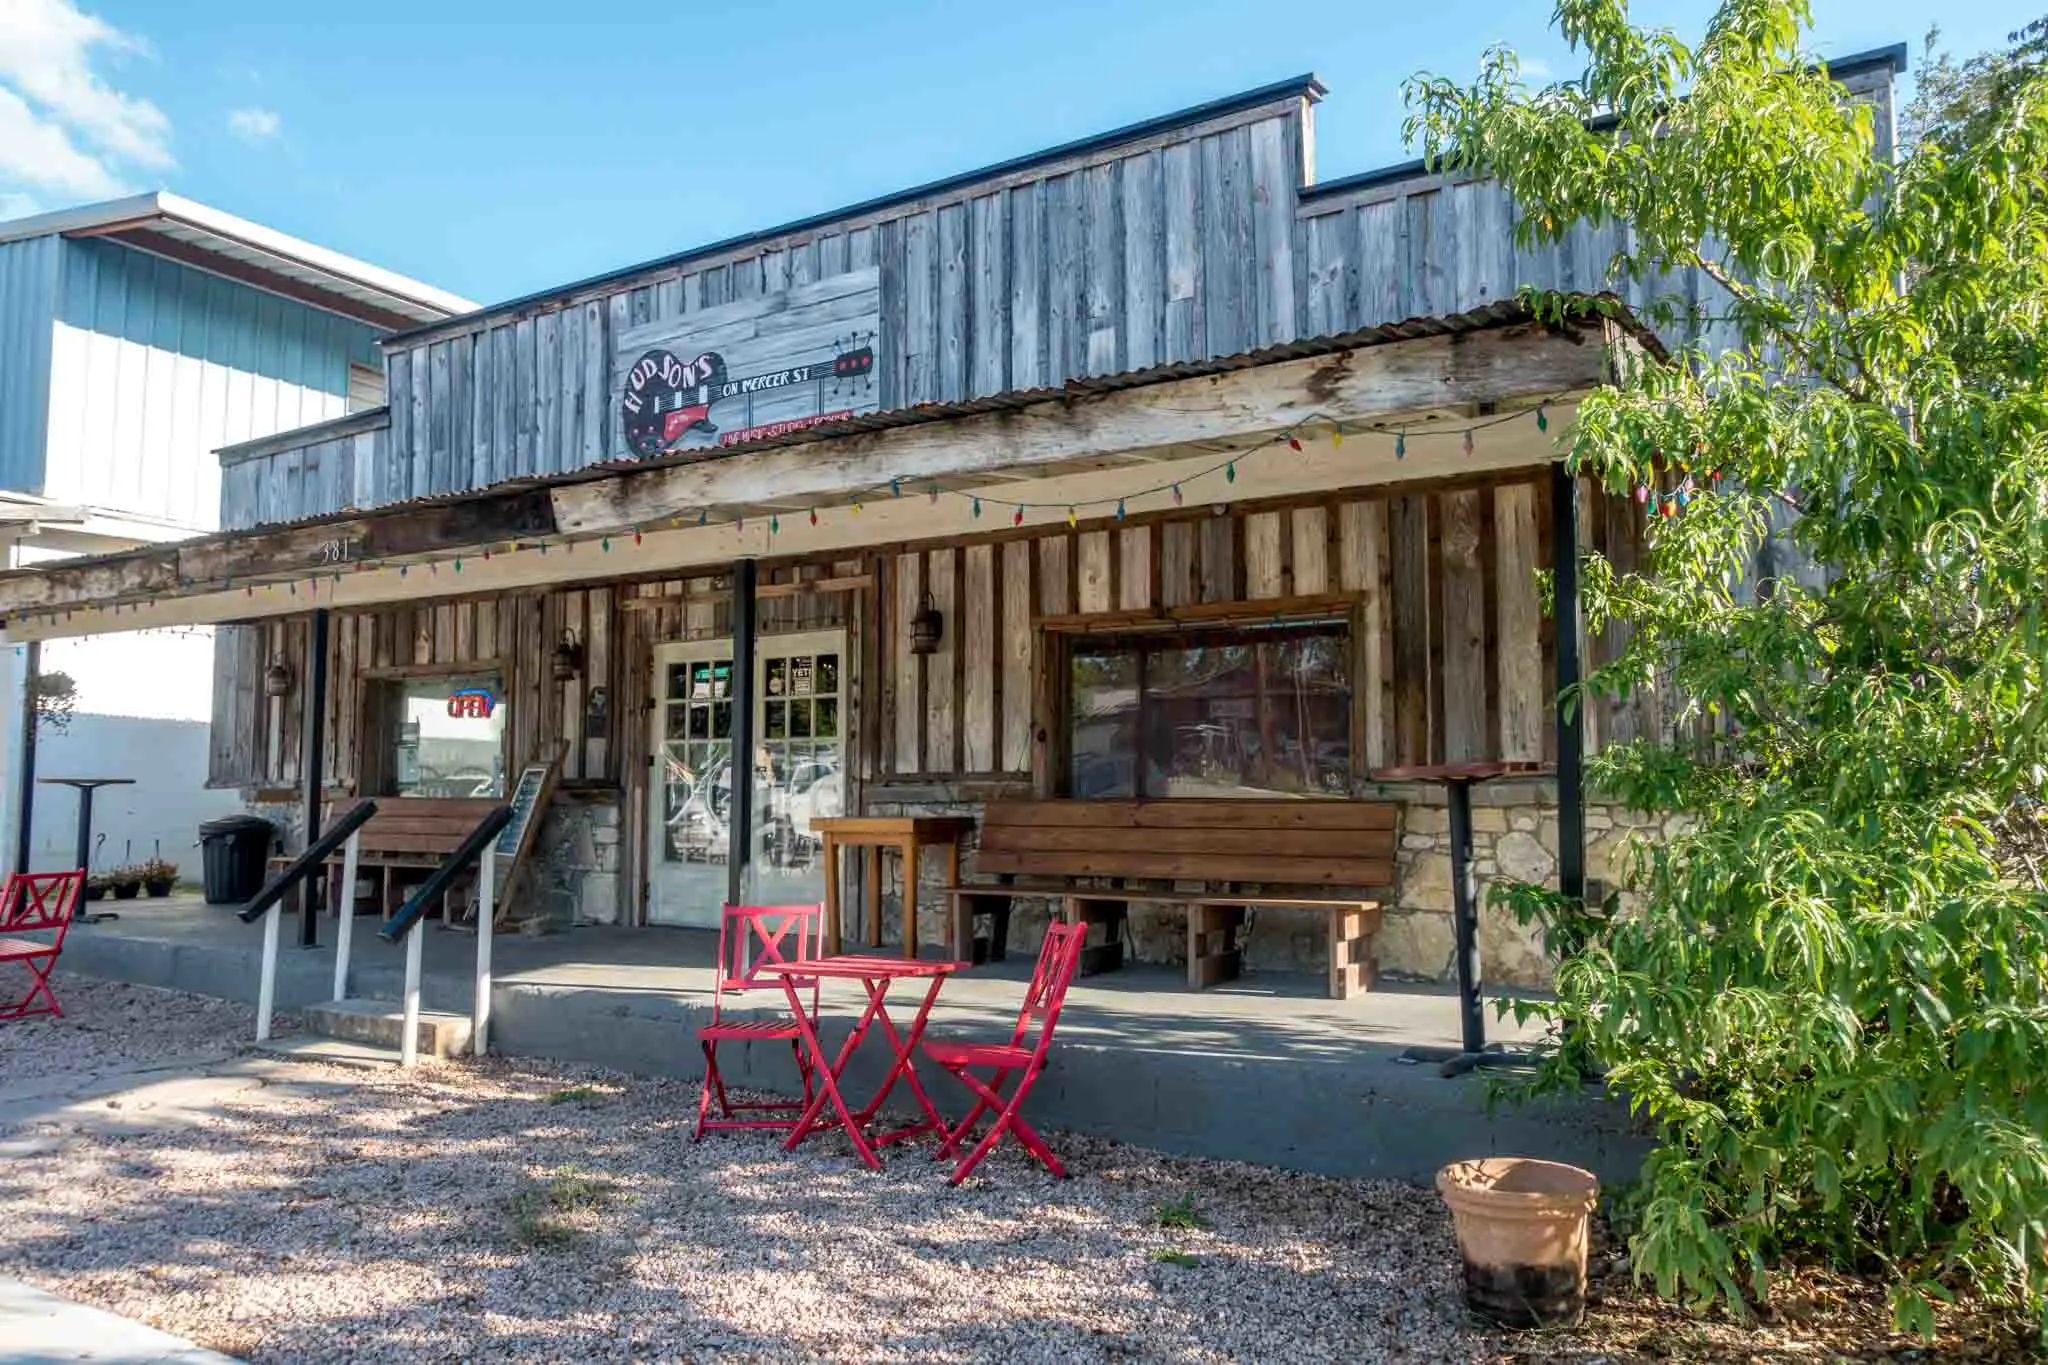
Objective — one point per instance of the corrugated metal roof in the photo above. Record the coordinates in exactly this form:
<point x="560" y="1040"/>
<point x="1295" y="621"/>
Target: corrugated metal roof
<point x="197" y="230"/>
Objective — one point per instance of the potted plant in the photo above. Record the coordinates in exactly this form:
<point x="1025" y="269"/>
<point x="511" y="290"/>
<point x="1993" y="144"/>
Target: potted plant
<point x="125" y="883"/>
<point x="1522" y="1227"/>
<point x="159" y="875"/>
<point x="96" y="887"/>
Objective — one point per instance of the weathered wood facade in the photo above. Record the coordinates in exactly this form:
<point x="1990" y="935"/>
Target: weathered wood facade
<point x="257" y="738"/>
<point x="1183" y="244"/>
<point x="1452" y="656"/>
<point x="1197" y="235"/>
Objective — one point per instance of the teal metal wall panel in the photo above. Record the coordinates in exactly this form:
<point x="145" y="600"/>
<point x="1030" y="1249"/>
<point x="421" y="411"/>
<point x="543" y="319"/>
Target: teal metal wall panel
<point x="28" y="303"/>
<point x="156" y="365"/>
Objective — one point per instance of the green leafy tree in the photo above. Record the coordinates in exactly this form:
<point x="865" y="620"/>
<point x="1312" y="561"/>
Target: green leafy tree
<point x="1952" y="97"/>
<point x="1828" y="996"/>
<point x="56" y="698"/>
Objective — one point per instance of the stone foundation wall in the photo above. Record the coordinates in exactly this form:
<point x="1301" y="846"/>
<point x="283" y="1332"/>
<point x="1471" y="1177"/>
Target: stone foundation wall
<point x="575" y="877"/>
<point x="1514" y="837"/>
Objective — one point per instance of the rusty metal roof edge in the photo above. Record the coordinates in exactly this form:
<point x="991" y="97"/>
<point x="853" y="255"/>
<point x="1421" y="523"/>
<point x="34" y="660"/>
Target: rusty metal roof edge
<point x="1500" y="313"/>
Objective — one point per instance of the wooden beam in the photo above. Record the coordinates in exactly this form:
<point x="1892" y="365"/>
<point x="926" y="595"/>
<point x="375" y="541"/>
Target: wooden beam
<point x="204" y="580"/>
<point x="1352" y="386"/>
<point x="212" y="563"/>
<point x="848" y="583"/>
<point x="1319" y="606"/>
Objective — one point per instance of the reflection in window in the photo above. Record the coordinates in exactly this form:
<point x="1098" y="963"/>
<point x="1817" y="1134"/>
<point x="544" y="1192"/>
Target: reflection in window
<point x="1264" y="712"/>
<point x="449" y="738"/>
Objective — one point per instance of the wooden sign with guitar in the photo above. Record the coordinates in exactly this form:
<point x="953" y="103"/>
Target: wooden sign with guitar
<point x="668" y="399"/>
<point x="746" y="369"/>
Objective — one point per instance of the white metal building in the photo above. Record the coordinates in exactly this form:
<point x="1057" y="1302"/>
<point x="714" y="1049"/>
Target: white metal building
<point x="137" y="337"/>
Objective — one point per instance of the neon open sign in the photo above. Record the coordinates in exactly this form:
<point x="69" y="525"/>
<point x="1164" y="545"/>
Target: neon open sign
<point x="471" y="703"/>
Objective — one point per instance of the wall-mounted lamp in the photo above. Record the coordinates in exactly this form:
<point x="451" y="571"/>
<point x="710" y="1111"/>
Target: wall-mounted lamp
<point x="277" y="679"/>
<point x="926" y="627"/>
<point x="568" y="658"/>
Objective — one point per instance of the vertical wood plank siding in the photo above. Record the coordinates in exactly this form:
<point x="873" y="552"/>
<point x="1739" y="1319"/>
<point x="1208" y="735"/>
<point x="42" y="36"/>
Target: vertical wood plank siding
<point x="1087" y="265"/>
<point x="255" y="738"/>
<point x="1204" y="239"/>
<point x="1454" y="659"/>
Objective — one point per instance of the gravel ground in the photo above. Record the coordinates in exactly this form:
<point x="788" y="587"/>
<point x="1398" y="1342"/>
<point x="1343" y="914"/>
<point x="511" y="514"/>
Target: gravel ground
<point x="109" y="1026"/>
<point x="515" y="1211"/>
<point x="390" y="1217"/>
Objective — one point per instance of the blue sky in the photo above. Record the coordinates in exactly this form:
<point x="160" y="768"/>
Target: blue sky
<point x="498" y="147"/>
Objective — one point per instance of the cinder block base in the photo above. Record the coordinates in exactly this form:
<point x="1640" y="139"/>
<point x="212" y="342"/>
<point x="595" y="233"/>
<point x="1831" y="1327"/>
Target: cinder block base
<point x="381" y="1023"/>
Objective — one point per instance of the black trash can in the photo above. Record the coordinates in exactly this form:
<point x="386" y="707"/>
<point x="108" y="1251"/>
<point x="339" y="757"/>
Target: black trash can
<point x="235" y="850"/>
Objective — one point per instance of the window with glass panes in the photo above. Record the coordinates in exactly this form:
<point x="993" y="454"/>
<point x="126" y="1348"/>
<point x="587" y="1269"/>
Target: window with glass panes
<point x="1239" y="712"/>
<point x="695" y="760"/>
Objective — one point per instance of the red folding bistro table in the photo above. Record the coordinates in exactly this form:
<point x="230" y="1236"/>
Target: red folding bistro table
<point x="876" y="975"/>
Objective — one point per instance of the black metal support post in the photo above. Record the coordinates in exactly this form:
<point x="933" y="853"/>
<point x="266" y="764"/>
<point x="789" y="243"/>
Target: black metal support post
<point x="85" y="826"/>
<point x="1571" y="724"/>
<point x="1471" y="1015"/>
<point x="312" y="764"/>
<point x="740" y="827"/>
<point x="25" y="781"/>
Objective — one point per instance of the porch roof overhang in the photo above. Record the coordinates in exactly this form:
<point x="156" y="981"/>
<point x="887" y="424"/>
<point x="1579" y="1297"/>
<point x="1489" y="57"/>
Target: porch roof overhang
<point x="1076" y="445"/>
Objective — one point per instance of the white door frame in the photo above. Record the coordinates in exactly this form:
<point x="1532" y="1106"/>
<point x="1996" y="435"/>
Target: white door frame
<point x="665" y="655"/>
<point x="780" y="644"/>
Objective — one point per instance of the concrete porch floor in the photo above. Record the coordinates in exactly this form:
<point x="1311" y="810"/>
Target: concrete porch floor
<point x="1263" y="1069"/>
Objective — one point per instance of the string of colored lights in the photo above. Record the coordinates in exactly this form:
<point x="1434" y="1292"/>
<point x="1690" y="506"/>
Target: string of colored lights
<point x="1289" y="438"/>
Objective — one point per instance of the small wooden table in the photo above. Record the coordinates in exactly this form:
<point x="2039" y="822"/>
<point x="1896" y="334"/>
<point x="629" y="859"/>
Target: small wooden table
<point x="1458" y="780"/>
<point x="904" y="833"/>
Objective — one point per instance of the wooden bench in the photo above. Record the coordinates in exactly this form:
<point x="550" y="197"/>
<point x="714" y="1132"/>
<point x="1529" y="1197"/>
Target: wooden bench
<point x="407" y="835"/>
<point x="1288" y="849"/>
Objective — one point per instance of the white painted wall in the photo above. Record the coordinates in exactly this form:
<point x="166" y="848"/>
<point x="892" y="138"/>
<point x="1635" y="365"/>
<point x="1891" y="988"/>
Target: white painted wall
<point x="135" y="426"/>
<point x="167" y="757"/>
<point x="144" y="703"/>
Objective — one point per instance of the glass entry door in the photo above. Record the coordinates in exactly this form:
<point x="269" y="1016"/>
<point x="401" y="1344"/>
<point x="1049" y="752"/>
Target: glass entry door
<point x="797" y="777"/>
<point x="799" y="744"/>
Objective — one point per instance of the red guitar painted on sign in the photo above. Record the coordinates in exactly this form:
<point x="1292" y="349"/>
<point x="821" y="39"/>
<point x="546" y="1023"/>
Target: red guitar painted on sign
<point x="667" y="398"/>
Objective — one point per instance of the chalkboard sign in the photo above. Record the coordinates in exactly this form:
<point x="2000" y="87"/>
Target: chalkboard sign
<point x="524" y="796"/>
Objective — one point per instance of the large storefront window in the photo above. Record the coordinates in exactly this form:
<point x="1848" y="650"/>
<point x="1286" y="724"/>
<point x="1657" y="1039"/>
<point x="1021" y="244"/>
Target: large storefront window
<point x="447" y="737"/>
<point x="1223" y="713"/>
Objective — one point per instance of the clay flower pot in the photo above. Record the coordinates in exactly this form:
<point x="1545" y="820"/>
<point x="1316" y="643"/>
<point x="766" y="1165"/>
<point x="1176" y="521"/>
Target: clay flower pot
<point x="1522" y="1229"/>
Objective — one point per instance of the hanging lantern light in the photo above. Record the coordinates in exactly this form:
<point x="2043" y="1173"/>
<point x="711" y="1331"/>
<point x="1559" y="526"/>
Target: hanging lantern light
<point x="926" y="627"/>
<point x="277" y="679"/>
<point x="568" y="660"/>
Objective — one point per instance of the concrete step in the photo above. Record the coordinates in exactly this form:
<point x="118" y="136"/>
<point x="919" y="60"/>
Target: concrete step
<point x="381" y="1023"/>
<point x="332" y="1051"/>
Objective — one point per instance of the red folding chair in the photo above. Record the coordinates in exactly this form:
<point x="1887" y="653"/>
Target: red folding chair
<point x="37" y="902"/>
<point x="1057" y="960"/>
<point x="749" y="938"/>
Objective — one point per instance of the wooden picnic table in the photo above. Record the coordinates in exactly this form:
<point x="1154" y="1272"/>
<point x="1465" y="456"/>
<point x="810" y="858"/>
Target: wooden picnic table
<point x="876" y="975"/>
